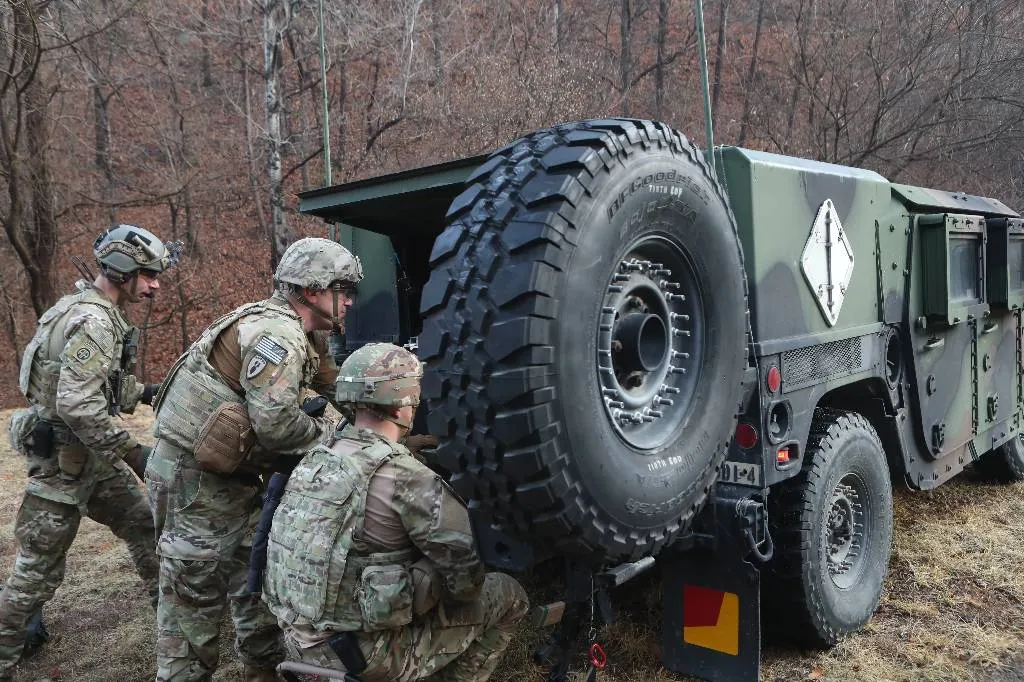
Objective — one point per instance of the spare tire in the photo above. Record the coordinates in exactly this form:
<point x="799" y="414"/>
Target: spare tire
<point x="585" y="337"/>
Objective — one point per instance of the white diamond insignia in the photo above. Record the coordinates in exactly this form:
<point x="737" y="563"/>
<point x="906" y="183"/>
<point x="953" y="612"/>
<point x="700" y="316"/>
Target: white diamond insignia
<point x="827" y="262"/>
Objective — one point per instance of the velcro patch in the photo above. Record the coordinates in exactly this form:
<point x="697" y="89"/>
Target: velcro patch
<point x="256" y="365"/>
<point x="271" y="350"/>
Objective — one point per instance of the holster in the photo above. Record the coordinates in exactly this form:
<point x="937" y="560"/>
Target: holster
<point x="346" y="647"/>
<point x="42" y="439"/>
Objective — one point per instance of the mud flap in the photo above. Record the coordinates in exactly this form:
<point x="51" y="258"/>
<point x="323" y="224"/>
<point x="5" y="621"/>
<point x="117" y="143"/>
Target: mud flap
<point x="711" y="594"/>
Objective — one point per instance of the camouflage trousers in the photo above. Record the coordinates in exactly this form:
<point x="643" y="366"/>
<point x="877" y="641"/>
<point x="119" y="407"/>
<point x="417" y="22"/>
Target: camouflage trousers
<point x="435" y="647"/>
<point x="205" y="523"/>
<point x="45" y="529"/>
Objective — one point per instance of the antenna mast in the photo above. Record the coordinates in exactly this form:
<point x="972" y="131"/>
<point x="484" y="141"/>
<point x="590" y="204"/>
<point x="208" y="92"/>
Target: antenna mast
<point x="702" y="51"/>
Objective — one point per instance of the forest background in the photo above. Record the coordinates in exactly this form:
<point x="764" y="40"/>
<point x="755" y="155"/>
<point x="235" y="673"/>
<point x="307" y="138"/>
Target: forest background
<point x="202" y="119"/>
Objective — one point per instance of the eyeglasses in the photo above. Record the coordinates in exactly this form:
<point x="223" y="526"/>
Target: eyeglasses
<point x="346" y="289"/>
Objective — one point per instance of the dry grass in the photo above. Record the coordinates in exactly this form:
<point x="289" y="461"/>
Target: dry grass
<point x="953" y="607"/>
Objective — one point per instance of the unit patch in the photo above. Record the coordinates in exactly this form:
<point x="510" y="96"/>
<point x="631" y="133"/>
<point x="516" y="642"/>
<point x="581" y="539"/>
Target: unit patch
<point x="256" y="366"/>
<point x="83" y="354"/>
<point x="271" y="350"/>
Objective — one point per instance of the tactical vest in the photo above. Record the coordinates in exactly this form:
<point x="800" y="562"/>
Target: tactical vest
<point x="193" y="389"/>
<point x="318" y="573"/>
<point x="40" y="365"/>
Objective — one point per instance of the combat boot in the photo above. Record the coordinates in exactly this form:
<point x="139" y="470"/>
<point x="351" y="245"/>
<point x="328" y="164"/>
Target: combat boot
<point x="250" y="674"/>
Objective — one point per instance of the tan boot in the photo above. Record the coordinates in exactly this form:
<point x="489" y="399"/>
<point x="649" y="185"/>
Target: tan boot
<point x="258" y="674"/>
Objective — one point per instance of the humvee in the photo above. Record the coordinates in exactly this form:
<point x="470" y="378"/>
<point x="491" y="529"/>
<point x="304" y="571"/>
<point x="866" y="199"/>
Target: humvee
<point x="636" y="358"/>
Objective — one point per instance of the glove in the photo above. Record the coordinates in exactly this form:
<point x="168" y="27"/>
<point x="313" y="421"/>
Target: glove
<point x="148" y="393"/>
<point x="137" y="458"/>
<point x="314" y="406"/>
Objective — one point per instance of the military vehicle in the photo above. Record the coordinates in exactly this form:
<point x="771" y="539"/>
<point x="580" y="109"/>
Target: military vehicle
<point x="634" y="358"/>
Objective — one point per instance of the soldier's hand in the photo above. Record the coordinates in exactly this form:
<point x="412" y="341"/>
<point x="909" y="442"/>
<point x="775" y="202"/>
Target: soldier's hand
<point x="148" y="393"/>
<point x="137" y="458"/>
<point x="314" y="406"/>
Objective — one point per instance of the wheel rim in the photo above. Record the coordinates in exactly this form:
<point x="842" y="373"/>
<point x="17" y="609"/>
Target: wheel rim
<point x="844" y="531"/>
<point x="650" y="342"/>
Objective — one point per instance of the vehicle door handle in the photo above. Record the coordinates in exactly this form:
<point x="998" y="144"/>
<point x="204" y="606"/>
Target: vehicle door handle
<point x="934" y="342"/>
<point x="990" y="327"/>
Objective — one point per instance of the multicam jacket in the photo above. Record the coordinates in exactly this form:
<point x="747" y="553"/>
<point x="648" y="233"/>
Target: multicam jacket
<point x="278" y="359"/>
<point x="322" y="574"/>
<point x="67" y="373"/>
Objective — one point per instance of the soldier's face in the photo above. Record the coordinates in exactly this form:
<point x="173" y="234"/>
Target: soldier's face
<point x="324" y="302"/>
<point x="144" y="286"/>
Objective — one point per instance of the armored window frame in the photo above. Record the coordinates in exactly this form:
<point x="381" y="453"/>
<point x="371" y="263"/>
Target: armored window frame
<point x="954" y="286"/>
<point x="1005" y="253"/>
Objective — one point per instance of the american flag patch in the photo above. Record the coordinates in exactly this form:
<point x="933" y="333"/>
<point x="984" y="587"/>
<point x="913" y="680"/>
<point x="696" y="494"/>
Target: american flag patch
<point x="271" y="350"/>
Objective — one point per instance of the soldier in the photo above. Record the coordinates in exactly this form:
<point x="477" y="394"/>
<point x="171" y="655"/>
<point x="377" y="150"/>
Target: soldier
<point x="230" y="413"/>
<point x="371" y="566"/>
<point x="77" y="373"/>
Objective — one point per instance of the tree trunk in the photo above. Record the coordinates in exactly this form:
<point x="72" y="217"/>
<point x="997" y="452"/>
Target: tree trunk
<point x="659" y="66"/>
<point x="751" y="73"/>
<point x="275" y="23"/>
<point x="101" y="132"/>
<point x="716" y="91"/>
<point x="42" y="232"/>
<point x="625" y="53"/>
<point x="204" y="42"/>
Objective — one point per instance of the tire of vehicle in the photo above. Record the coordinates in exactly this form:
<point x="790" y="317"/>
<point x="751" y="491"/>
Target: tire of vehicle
<point x="832" y="526"/>
<point x="585" y="337"/>
<point x="1005" y="464"/>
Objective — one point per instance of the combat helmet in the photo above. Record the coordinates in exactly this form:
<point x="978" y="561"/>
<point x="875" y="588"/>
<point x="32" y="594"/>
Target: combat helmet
<point x="380" y="374"/>
<point x="124" y="250"/>
<point x="316" y="263"/>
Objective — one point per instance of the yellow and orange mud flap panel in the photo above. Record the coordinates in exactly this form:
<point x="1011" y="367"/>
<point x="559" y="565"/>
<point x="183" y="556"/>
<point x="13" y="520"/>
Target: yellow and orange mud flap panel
<point x="712" y="627"/>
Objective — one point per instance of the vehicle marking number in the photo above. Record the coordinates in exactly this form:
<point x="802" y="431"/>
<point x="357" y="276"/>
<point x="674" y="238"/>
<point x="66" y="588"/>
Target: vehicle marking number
<point x="740" y="473"/>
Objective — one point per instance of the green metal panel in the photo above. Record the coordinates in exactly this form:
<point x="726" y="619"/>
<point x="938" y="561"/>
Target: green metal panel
<point x="923" y="200"/>
<point x="415" y="199"/>
<point x="375" y="316"/>
<point x="776" y="200"/>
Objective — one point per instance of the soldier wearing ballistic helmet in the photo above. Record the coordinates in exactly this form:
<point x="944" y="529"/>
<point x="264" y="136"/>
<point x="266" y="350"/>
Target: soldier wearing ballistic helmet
<point x="77" y="372"/>
<point x="230" y="414"/>
<point x="371" y="564"/>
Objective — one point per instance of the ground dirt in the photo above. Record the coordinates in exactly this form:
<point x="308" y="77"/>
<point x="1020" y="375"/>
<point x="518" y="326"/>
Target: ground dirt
<point x="953" y="607"/>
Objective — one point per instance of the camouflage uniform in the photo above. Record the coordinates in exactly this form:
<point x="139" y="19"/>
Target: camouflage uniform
<point x="67" y="372"/>
<point x="368" y="540"/>
<point x="205" y="519"/>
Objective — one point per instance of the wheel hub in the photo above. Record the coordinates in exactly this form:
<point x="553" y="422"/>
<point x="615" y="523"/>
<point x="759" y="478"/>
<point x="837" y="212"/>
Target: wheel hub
<point x="844" y="529"/>
<point x="649" y="342"/>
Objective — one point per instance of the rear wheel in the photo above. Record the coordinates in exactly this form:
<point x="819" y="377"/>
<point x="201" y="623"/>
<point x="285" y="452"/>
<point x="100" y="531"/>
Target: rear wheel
<point x="832" y="526"/>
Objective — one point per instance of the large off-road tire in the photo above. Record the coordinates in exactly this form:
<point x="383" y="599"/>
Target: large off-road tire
<point x="585" y="337"/>
<point x="832" y="526"/>
<point x="1005" y="464"/>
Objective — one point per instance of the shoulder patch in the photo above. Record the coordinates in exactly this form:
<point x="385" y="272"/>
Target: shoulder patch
<point x="270" y="350"/>
<point x="255" y="366"/>
<point x="83" y="353"/>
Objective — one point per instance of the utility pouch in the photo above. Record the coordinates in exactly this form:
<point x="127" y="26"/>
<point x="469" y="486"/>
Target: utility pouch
<point x="346" y="647"/>
<point x="426" y="586"/>
<point x="454" y="614"/>
<point x="225" y="439"/>
<point x="23" y="424"/>
<point x="71" y="458"/>
<point x="385" y="597"/>
<point x="42" y="439"/>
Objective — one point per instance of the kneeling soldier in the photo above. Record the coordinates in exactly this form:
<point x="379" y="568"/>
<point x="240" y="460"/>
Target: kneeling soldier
<point x="371" y="564"/>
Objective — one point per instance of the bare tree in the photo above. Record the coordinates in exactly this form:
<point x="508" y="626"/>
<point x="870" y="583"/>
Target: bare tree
<point x="277" y="18"/>
<point x="28" y="219"/>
